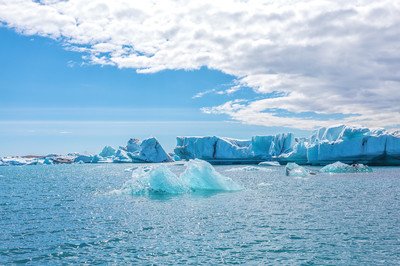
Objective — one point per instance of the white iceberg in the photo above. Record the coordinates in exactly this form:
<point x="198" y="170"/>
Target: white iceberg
<point x="354" y="145"/>
<point x="198" y="176"/>
<point x="293" y="169"/>
<point x="151" y="151"/>
<point x="339" y="167"/>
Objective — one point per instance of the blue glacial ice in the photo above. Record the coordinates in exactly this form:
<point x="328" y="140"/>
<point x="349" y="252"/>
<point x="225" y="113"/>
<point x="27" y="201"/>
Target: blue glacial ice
<point x="84" y="158"/>
<point x="198" y="176"/>
<point x="354" y="145"/>
<point x="107" y="151"/>
<point x="150" y="151"/>
<point x="339" y="167"/>
<point x="350" y="145"/>
<point x="326" y="145"/>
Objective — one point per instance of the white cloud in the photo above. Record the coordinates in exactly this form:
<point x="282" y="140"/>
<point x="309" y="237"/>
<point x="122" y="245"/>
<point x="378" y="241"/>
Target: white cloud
<point x="325" y="56"/>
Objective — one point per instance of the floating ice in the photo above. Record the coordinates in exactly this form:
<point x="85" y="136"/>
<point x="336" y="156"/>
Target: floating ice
<point x="107" y="151"/>
<point x="293" y="169"/>
<point x="248" y="168"/>
<point x="198" y="176"/>
<point x="84" y="159"/>
<point x="349" y="144"/>
<point x="340" y="167"/>
<point x="269" y="163"/>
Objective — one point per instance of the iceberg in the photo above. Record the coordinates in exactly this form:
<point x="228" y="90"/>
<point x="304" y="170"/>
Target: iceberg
<point x="84" y="159"/>
<point x="151" y="151"/>
<point x="326" y="145"/>
<point x="353" y="145"/>
<point x="339" y="167"/>
<point x="293" y="169"/>
<point x="121" y="156"/>
<point x="198" y="176"/>
<point x="226" y="150"/>
<point x="107" y="151"/>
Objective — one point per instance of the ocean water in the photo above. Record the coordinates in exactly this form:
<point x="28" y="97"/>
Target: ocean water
<point x="64" y="214"/>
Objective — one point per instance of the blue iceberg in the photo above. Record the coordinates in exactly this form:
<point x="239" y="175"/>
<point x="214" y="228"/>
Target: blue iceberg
<point x="107" y="151"/>
<point x="198" y="176"/>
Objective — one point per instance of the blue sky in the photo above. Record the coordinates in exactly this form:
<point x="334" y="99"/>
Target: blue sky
<point x="77" y="75"/>
<point x="52" y="101"/>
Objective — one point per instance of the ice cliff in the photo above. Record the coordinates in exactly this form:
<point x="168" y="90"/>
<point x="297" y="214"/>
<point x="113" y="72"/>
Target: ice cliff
<point x="326" y="145"/>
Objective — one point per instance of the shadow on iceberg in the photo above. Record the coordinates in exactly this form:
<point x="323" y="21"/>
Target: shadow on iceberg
<point x="199" y="178"/>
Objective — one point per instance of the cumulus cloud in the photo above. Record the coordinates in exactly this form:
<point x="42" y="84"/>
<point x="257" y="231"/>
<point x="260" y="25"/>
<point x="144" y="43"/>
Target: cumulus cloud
<point x="326" y="57"/>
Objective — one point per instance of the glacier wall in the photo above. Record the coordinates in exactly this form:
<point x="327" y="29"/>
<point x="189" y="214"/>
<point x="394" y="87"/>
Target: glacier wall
<point x="326" y="145"/>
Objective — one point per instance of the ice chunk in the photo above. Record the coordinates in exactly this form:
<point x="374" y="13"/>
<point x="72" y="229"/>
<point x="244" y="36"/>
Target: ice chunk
<point x="156" y="180"/>
<point x="198" y="176"/>
<point x="293" y="169"/>
<point x="340" y="167"/>
<point x="269" y="163"/>
<point x="248" y="168"/>
<point x="107" y="151"/>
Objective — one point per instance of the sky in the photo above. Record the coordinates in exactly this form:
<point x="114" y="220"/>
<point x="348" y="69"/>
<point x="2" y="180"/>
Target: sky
<point x="77" y="75"/>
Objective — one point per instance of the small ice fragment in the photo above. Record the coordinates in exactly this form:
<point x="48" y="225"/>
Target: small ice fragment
<point x="248" y="168"/>
<point x="269" y="163"/>
<point x="293" y="169"/>
<point x="339" y="167"/>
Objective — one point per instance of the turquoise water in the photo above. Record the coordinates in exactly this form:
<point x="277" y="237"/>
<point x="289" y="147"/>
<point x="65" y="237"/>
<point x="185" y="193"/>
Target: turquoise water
<point x="66" y="214"/>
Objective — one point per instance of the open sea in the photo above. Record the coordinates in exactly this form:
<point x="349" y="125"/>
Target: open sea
<point x="68" y="214"/>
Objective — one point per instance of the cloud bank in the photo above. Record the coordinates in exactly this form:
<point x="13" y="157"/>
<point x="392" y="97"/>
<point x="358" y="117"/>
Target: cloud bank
<point x="324" y="57"/>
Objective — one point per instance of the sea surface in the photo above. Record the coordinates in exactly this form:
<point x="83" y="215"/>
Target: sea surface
<point x="70" y="214"/>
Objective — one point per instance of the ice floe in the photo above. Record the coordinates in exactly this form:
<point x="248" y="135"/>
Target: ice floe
<point x="339" y="167"/>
